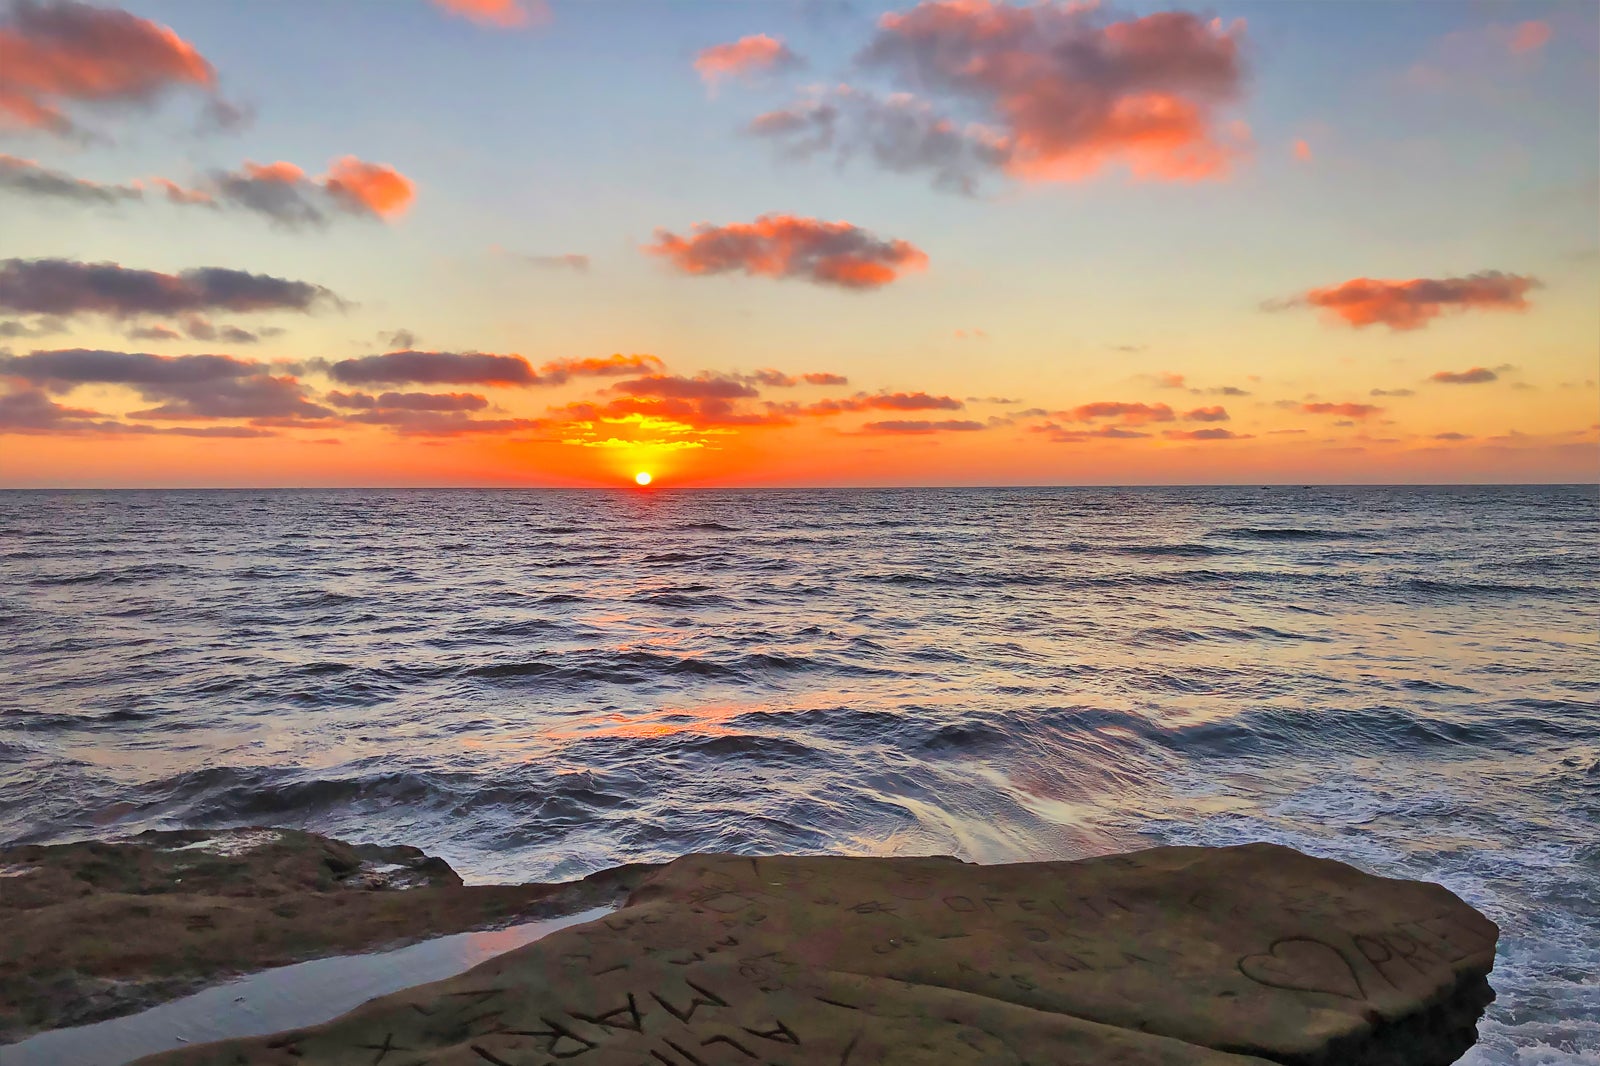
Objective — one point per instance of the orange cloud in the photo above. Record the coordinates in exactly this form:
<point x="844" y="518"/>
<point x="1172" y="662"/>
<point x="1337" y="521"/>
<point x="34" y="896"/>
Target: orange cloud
<point x="1132" y="414"/>
<point x="1074" y="94"/>
<point x="788" y="246"/>
<point x="1412" y="304"/>
<point x="374" y="187"/>
<point x="1302" y="151"/>
<point x="1529" y="36"/>
<point x="756" y="54"/>
<point x="1343" y="410"/>
<point x="58" y="51"/>
<point x="1206" y="414"/>
<point x="503" y="13"/>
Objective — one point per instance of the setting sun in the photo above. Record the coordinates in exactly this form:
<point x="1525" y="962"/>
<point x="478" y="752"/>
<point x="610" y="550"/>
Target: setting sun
<point x="642" y="477"/>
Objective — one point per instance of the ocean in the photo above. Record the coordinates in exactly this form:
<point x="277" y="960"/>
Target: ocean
<point x="538" y="684"/>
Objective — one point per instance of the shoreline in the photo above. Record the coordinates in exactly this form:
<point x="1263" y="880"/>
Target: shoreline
<point x="1250" y="953"/>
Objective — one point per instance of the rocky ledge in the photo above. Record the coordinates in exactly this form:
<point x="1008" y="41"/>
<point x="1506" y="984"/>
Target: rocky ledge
<point x="1207" y="956"/>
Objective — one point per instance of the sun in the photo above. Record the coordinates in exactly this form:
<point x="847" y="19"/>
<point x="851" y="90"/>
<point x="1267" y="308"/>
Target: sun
<point x="642" y="477"/>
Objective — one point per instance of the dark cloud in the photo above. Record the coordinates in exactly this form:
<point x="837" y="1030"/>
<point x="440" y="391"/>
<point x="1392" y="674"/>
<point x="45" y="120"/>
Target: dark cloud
<point x="1478" y="375"/>
<point x="1203" y="434"/>
<point x="898" y="133"/>
<point x="1221" y="390"/>
<point x="31" y="411"/>
<point x="824" y="378"/>
<point x="40" y="327"/>
<point x="705" y="387"/>
<point x="1206" y="414"/>
<point x="914" y="426"/>
<point x="291" y="198"/>
<point x="787" y="246"/>
<point x="27" y="178"/>
<point x="67" y="368"/>
<point x="398" y="340"/>
<point x="1344" y="410"/>
<point x="258" y="396"/>
<point x="68" y="287"/>
<point x="1452" y="436"/>
<point x="1059" y="434"/>
<point x="1393" y="392"/>
<point x="434" y="368"/>
<point x="415" y="423"/>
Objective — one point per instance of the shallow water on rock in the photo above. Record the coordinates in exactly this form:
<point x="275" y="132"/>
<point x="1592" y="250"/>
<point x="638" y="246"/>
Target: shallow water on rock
<point x="535" y="685"/>
<point x="287" y="997"/>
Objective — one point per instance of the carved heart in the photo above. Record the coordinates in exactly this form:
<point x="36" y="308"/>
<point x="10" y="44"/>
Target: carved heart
<point x="1303" y="964"/>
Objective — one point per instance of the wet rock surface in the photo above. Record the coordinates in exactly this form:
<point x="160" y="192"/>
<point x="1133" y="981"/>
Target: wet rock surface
<point x="98" y="929"/>
<point x="1217" y="957"/>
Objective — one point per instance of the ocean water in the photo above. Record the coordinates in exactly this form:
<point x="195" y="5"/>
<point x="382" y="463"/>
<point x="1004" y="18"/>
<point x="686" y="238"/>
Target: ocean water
<point x="538" y="684"/>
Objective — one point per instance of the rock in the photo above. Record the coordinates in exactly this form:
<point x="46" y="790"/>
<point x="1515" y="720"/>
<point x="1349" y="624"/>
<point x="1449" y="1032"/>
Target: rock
<point x="1200" y="956"/>
<point x="94" y="930"/>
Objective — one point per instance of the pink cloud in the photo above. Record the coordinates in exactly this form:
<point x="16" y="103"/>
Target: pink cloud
<point x="1072" y="93"/>
<point x="788" y="246"/>
<point x="756" y="54"/>
<point x="55" y="52"/>
<point x="507" y="14"/>
<point x="1412" y="304"/>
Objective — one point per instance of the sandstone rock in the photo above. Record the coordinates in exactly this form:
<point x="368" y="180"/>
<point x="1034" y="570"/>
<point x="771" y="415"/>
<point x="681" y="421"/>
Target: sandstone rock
<point x="1213" y="957"/>
<point x="94" y="930"/>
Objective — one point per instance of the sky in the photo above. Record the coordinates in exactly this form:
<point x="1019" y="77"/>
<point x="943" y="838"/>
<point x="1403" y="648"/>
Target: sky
<point x="797" y="242"/>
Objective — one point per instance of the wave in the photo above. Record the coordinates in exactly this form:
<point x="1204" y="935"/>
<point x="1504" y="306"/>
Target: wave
<point x="122" y="576"/>
<point x="1294" y="533"/>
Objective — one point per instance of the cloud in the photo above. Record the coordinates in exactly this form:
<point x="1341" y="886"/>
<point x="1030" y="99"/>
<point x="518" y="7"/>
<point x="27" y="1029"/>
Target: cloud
<point x="1393" y="392"/>
<point x="64" y="369"/>
<point x="434" y="368"/>
<point x="1412" y="304"/>
<point x="1165" y="380"/>
<point x="905" y="426"/>
<point x="154" y="333"/>
<point x="29" y="411"/>
<point x="285" y="194"/>
<point x="198" y="327"/>
<point x="69" y="287"/>
<point x="480" y="368"/>
<point x="409" y="401"/>
<point x="59" y="52"/>
<point x="506" y="14"/>
<point x="568" y="261"/>
<point x="257" y="396"/>
<point x="673" y="386"/>
<point x="974" y="334"/>
<point x="1478" y="375"/>
<point x="398" y="339"/>
<point x="882" y="401"/>
<point x="412" y="423"/>
<point x="1058" y="434"/>
<point x="1480" y="56"/>
<point x="1344" y="410"/>
<point x="1206" y="414"/>
<point x="1064" y="93"/>
<point x="900" y="132"/>
<point x="1529" y="36"/>
<point x="1203" y="434"/>
<point x="1221" y="390"/>
<point x="1302" y="151"/>
<point x="27" y="178"/>
<point x="43" y="326"/>
<point x="1132" y="414"/>
<point x="1452" y="436"/>
<point x="744" y="58"/>
<point x="183" y="386"/>
<point x="779" y="380"/>
<point x="788" y="246"/>
<point x="558" y="371"/>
